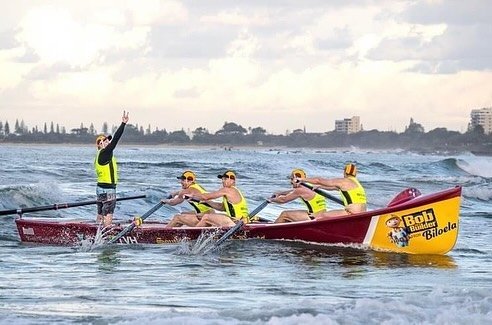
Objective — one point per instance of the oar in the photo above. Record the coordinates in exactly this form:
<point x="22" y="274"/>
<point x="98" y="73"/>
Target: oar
<point x="237" y="226"/>
<point x="132" y="225"/>
<point x="323" y="193"/>
<point x="58" y="206"/>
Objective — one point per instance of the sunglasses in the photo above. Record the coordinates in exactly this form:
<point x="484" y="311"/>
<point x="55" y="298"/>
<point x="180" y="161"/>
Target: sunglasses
<point x="296" y="175"/>
<point x="101" y="141"/>
<point x="189" y="179"/>
<point x="228" y="176"/>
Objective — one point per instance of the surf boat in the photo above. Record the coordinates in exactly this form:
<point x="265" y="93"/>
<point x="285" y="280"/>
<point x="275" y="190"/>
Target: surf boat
<point x="411" y="223"/>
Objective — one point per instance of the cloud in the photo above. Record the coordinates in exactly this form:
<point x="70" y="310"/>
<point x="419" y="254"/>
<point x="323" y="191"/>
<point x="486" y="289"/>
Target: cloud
<point x="455" y="50"/>
<point x="186" y="93"/>
<point x="341" y="39"/>
<point x="175" y="42"/>
<point x="468" y="12"/>
<point x="7" y="40"/>
<point x="235" y="17"/>
<point x="293" y="62"/>
<point x="152" y="12"/>
<point x="462" y="44"/>
<point x="29" y="56"/>
<point x="51" y="72"/>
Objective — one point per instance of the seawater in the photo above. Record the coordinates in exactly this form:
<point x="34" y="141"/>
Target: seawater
<point x="247" y="282"/>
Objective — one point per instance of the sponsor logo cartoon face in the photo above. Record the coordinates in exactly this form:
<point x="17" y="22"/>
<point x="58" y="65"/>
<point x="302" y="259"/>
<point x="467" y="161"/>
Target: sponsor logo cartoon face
<point x="398" y="235"/>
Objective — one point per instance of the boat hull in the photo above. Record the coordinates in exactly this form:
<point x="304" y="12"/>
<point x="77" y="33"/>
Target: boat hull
<point x="426" y="224"/>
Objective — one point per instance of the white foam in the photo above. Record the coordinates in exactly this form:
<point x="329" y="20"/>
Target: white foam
<point x="437" y="306"/>
<point x="479" y="192"/>
<point x="200" y="246"/>
<point x="479" y="166"/>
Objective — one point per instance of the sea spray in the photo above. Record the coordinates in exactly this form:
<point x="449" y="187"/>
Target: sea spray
<point x="200" y="246"/>
<point x="99" y="240"/>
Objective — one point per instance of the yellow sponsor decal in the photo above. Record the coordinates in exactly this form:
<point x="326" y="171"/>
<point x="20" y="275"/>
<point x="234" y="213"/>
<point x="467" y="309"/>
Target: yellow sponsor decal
<point x="427" y="229"/>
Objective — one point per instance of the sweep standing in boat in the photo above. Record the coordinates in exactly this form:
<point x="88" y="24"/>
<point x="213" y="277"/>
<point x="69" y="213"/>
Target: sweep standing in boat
<point x="352" y="193"/>
<point x="315" y="203"/>
<point x="107" y="173"/>
<point x="189" y="187"/>
<point x="233" y="203"/>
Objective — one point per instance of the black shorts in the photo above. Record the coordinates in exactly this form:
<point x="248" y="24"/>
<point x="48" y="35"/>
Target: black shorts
<point x="106" y="203"/>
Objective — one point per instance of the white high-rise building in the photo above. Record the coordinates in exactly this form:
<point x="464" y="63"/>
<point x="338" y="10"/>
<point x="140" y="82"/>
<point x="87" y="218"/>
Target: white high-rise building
<point x="348" y="125"/>
<point x="483" y="117"/>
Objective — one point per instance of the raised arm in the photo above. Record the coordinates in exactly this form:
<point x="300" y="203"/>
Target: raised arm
<point x="117" y="135"/>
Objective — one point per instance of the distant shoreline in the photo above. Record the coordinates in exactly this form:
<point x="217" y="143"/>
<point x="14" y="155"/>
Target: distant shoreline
<point x="423" y="151"/>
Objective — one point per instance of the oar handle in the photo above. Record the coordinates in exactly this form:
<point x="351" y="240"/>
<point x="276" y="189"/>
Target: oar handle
<point x="58" y="206"/>
<point x="323" y="193"/>
<point x="192" y="199"/>
<point x="259" y="208"/>
<point x="154" y="209"/>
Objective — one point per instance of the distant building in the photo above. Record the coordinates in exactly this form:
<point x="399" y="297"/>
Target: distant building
<point x="414" y="127"/>
<point x="481" y="117"/>
<point x="348" y="125"/>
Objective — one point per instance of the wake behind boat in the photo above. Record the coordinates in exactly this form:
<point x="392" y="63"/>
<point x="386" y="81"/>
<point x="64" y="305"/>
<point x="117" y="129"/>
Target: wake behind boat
<point x="411" y="223"/>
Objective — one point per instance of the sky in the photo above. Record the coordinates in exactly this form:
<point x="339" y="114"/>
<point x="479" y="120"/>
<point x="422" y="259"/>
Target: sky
<point x="280" y="65"/>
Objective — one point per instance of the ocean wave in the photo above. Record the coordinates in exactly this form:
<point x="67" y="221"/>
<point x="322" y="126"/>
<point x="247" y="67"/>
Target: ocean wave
<point x="479" y="166"/>
<point x="445" y="167"/>
<point x="147" y="164"/>
<point x="468" y="251"/>
<point x="481" y="193"/>
<point x="335" y="167"/>
<point x="437" y="306"/>
<point x="444" y="179"/>
<point x="13" y="197"/>
<point x="8" y="238"/>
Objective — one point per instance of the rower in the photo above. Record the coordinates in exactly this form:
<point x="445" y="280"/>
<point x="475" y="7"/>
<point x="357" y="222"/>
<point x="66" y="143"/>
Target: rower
<point x="189" y="187"/>
<point x="352" y="193"/>
<point x="315" y="203"/>
<point x="233" y="203"/>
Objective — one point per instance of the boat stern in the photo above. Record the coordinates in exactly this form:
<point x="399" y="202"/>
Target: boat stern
<point x="425" y="225"/>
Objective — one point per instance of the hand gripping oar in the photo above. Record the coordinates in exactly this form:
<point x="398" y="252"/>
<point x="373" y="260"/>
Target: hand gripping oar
<point x="58" y="206"/>
<point x="323" y="193"/>
<point x="135" y="222"/>
<point x="238" y="226"/>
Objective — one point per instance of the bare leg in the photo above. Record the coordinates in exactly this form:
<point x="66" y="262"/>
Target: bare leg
<point x="215" y="220"/>
<point x="179" y="220"/>
<point x="331" y="213"/>
<point x="292" y="216"/>
<point x="108" y="219"/>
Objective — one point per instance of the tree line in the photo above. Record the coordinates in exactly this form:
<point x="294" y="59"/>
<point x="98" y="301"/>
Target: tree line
<point x="232" y="134"/>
